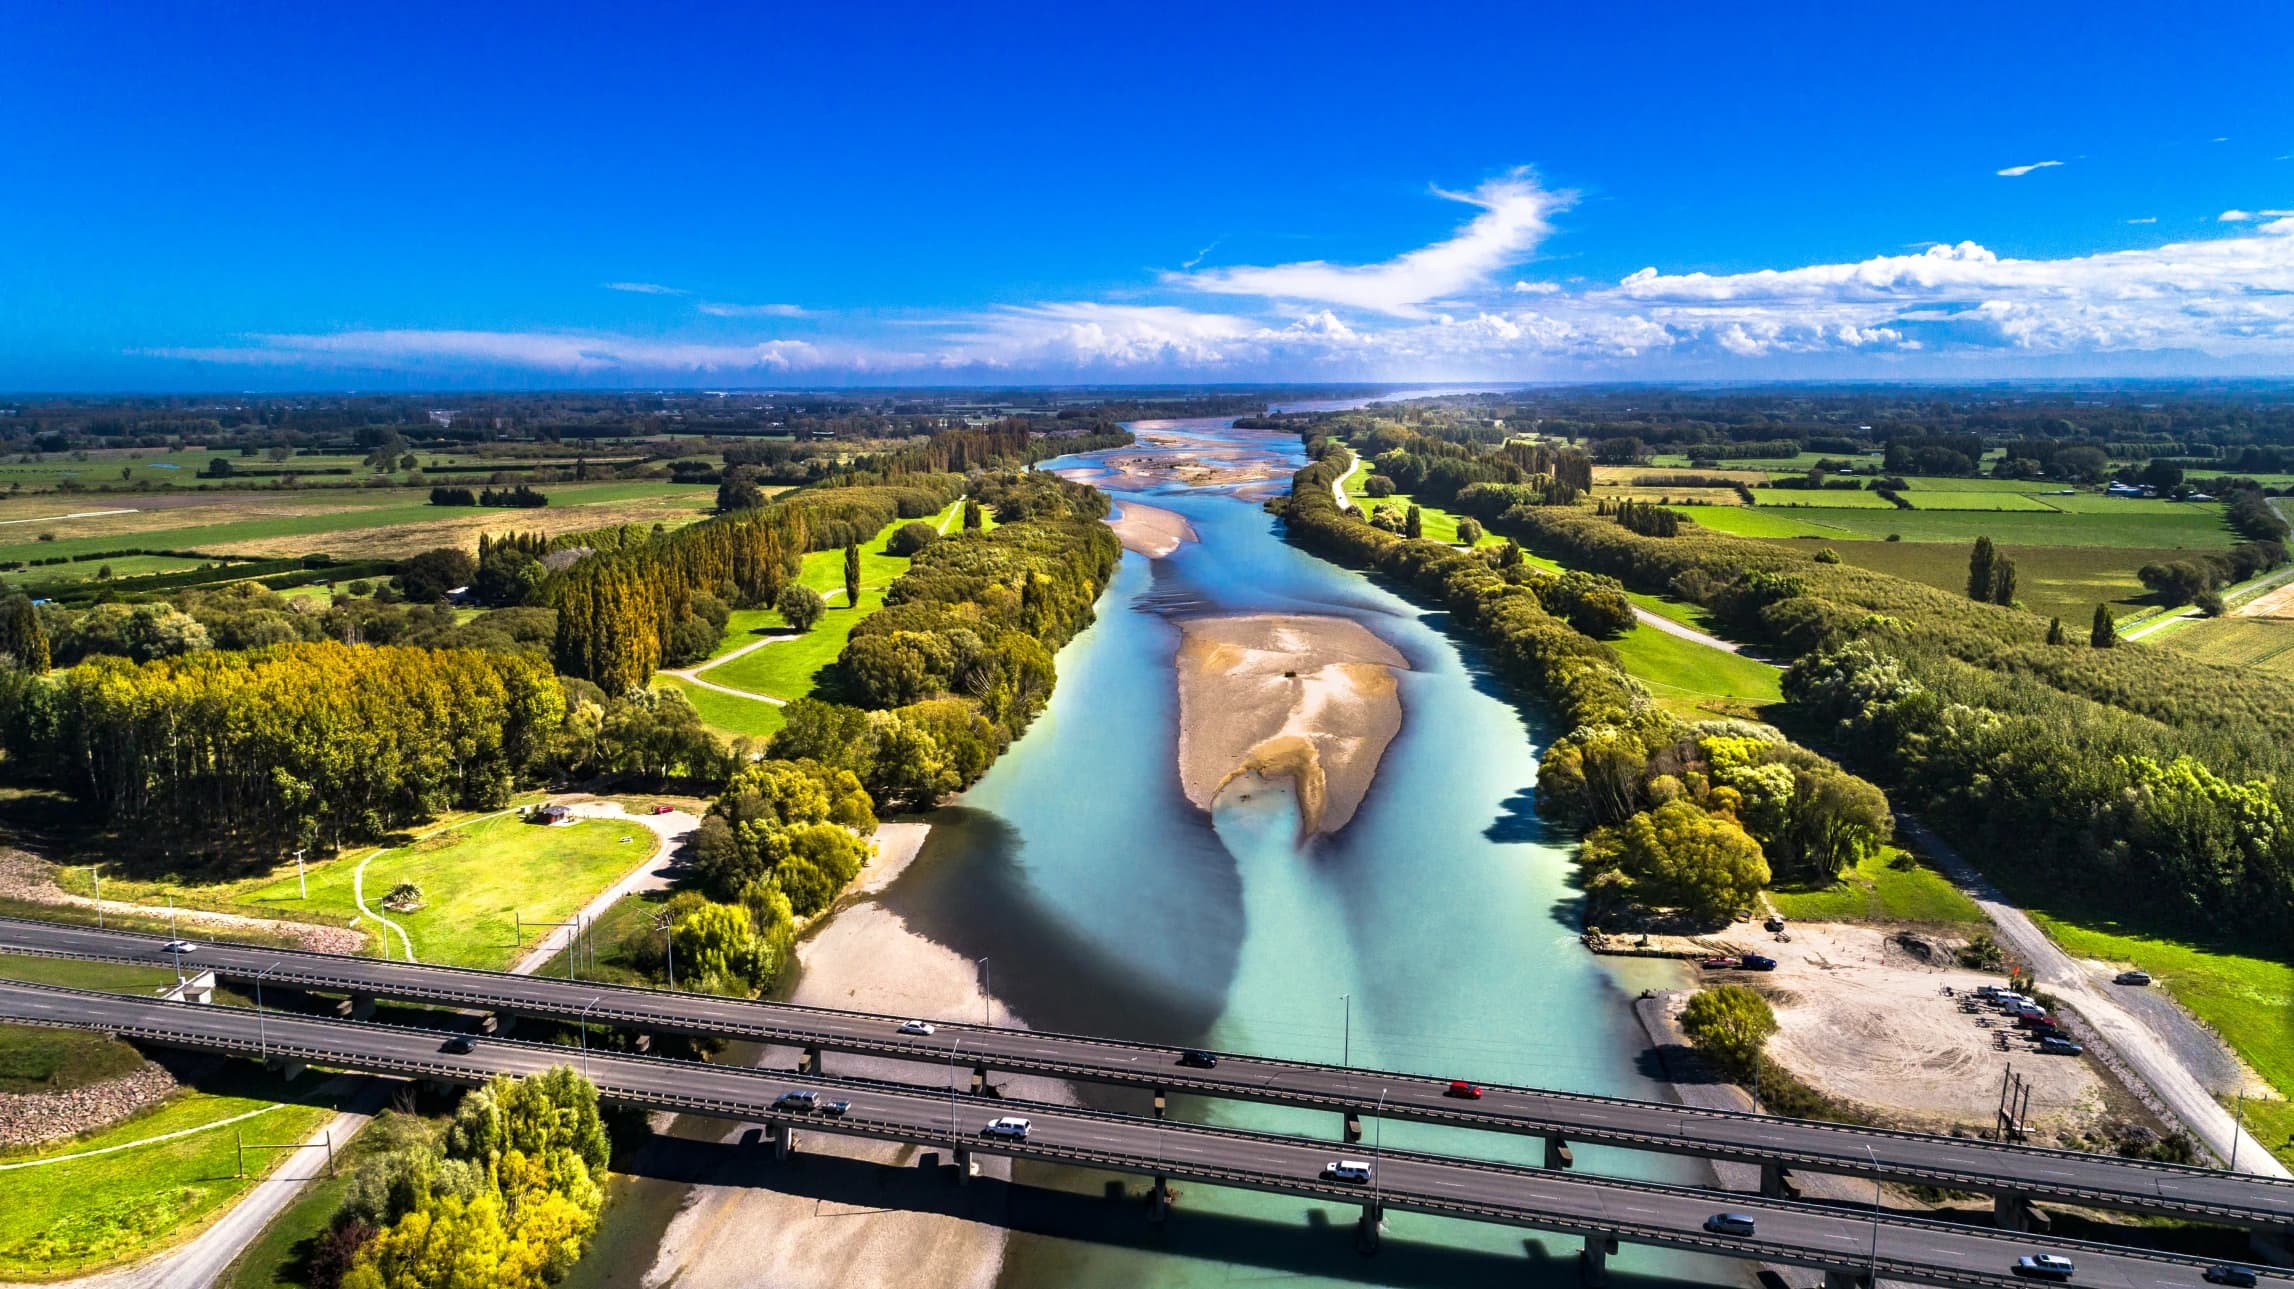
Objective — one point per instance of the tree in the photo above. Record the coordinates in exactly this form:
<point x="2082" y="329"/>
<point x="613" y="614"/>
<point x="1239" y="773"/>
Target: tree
<point x="508" y="576"/>
<point x="718" y="942"/>
<point x="800" y="606"/>
<point x="1730" y="1024"/>
<point x="910" y="538"/>
<point x="2160" y="473"/>
<point x="2209" y="603"/>
<point x="23" y="638"/>
<point x="2055" y="631"/>
<point x="1981" y="572"/>
<point x="738" y="490"/>
<point x="1679" y="856"/>
<point x="2003" y="580"/>
<point x="972" y="515"/>
<point x="2105" y="633"/>
<point x="1413" y="524"/>
<point x="852" y="575"/>
<point x="426" y="578"/>
<point x="1469" y="532"/>
<point x="1378" y="485"/>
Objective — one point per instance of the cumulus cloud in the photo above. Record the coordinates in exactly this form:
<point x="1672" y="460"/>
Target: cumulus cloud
<point x="2236" y="216"/>
<point x="2017" y="172"/>
<point x="1514" y="217"/>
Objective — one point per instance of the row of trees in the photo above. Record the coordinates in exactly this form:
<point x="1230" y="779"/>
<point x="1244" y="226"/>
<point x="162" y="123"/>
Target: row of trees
<point x="519" y="497"/>
<point x="1682" y="817"/>
<point x="2149" y="781"/>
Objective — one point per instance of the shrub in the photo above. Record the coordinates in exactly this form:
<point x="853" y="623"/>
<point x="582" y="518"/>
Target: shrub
<point x="910" y="538"/>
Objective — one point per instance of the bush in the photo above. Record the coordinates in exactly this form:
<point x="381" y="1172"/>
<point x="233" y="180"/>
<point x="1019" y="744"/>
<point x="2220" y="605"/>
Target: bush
<point x="1730" y="1025"/>
<point x="908" y="539"/>
<point x="1378" y="485"/>
<point x="800" y="606"/>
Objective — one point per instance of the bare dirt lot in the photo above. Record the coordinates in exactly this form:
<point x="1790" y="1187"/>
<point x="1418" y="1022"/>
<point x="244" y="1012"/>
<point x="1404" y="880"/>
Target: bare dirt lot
<point x="1864" y="1019"/>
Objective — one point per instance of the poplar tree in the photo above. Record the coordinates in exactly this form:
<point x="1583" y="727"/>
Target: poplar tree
<point x="852" y="575"/>
<point x="2002" y="580"/>
<point x="2055" y="631"/>
<point x="1980" y="573"/>
<point x="2105" y="634"/>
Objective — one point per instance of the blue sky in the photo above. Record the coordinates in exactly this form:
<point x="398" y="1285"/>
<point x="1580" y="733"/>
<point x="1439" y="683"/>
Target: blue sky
<point x="324" y="196"/>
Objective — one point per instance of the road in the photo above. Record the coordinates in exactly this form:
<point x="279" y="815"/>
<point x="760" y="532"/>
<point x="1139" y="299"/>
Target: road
<point x="1902" y="1249"/>
<point x="2154" y="1061"/>
<point x="1900" y="1157"/>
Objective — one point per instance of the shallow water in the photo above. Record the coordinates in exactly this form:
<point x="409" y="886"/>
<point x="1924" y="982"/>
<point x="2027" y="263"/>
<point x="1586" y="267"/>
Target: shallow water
<point x="1434" y="934"/>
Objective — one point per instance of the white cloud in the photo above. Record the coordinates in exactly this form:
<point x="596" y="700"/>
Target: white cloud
<point x="2147" y="219"/>
<point x="645" y="288"/>
<point x="716" y="310"/>
<point x="2235" y="216"/>
<point x="537" y="350"/>
<point x="2017" y="172"/>
<point x="1537" y="288"/>
<point x="1513" y="218"/>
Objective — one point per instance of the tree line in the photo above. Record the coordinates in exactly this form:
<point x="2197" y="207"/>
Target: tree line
<point x="1696" y="818"/>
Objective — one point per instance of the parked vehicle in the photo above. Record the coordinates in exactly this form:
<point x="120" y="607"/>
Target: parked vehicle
<point x="1729" y="1224"/>
<point x="801" y="1100"/>
<point x="459" y="1045"/>
<point x="1757" y="962"/>
<point x="2229" y="1274"/>
<point x="836" y="1109"/>
<point x="2028" y="1021"/>
<point x="2053" y="1045"/>
<point x="1348" y="1170"/>
<point x="663" y="807"/>
<point x="1199" y="1059"/>
<point x="1774" y="923"/>
<point x="2043" y="1266"/>
<point x="1464" y="1091"/>
<point x="2133" y="978"/>
<point x="1718" y="962"/>
<point x="1009" y="1126"/>
<point x="922" y="1028"/>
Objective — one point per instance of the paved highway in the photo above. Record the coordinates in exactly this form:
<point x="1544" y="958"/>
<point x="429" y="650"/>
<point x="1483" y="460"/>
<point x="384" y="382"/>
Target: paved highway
<point x="1902" y="1249"/>
<point x="1911" y="1158"/>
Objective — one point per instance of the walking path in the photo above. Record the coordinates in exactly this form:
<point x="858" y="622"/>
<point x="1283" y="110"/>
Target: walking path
<point x="2154" y="1060"/>
<point x="142" y="1141"/>
<point x="358" y="879"/>
<point x="1662" y="623"/>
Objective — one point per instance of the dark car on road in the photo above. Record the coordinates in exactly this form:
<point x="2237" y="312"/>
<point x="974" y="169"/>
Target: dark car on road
<point x="460" y="1045"/>
<point x="1199" y="1059"/>
<point x="2228" y="1274"/>
<point x="835" y="1109"/>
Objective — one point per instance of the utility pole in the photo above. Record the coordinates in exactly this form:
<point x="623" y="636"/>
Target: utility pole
<point x="987" y="994"/>
<point x="262" y="1039"/>
<point x="301" y="885"/>
<point x="96" y="871"/>
<point x="1378" y="1155"/>
<point x="585" y="1036"/>
<point x="1346" y="1048"/>
<point x="1872" y="1269"/>
<point x="953" y="1048"/>
<point x="2237" y="1129"/>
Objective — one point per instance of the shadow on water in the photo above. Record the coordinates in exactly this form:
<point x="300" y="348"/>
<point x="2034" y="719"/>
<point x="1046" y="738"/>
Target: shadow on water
<point x="1107" y="1212"/>
<point x="1517" y="820"/>
<point x="977" y="904"/>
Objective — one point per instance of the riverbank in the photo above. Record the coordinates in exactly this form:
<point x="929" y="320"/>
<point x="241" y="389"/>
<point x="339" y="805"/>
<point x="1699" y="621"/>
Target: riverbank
<point x="1150" y="530"/>
<point x="1301" y="697"/>
<point x="847" y="1212"/>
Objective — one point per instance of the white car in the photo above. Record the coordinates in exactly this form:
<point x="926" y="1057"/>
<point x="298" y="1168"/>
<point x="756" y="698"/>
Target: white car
<point x="1008" y="1126"/>
<point x="923" y="1028"/>
<point x="2044" y="1266"/>
<point x="1348" y="1170"/>
<point x="177" y="946"/>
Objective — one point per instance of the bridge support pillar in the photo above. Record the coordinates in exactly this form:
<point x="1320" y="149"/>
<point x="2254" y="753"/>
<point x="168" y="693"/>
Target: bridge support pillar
<point x="1353" y="1127"/>
<point x="812" y="1062"/>
<point x="2014" y="1213"/>
<point x="963" y="1166"/>
<point x="1558" y="1154"/>
<point x="361" y="1006"/>
<point x="500" y="1024"/>
<point x="292" y="1070"/>
<point x="1775" y="1182"/>
<point x="199" y="987"/>
<point x="1593" y="1261"/>
<point x="1162" y="1103"/>
<point x="2272" y="1245"/>
<point x="784" y="1142"/>
<point x="1834" y="1278"/>
<point x="1159" y="1200"/>
<point x="979" y="1079"/>
<point x="1369" y="1228"/>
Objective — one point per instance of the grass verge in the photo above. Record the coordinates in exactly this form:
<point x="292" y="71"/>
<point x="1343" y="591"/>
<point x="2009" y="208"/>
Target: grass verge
<point x="1891" y="886"/>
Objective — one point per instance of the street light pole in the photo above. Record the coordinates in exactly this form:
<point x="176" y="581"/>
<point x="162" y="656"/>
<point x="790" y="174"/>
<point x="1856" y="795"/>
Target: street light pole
<point x="1872" y="1269"/>
<point x="300" y="884"/>
<point x="585" y="1036"/>
<point x="1346" y="1048"/>
<point x="987" y="993"/>
<point x="2237" y="1129"/>
<point x="96" y="871"/>
<point x="1378" y="1152"/>
<point x="952" y="1050"/>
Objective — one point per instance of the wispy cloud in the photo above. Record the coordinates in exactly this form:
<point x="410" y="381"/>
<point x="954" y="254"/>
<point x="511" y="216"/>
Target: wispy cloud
<point x="716" y="310"/>
<point x="645" y="288"/>
<point x="2017" y="172"/>
<point x="2235" y="216"/>
<point x="1201" y="255"/>
<point x="2147" y="219"/>
<point x="1514" y="216"/>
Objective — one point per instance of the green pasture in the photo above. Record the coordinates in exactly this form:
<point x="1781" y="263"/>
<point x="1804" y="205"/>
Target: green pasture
<point x="1891" y="886"/>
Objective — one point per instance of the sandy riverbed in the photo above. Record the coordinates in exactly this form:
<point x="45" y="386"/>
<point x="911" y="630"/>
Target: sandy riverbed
<point x="1150" y="530"/>
<point x="844" y="1212"/>
<point x="1862" y="1019"/>
<point x="1299" y="697"/>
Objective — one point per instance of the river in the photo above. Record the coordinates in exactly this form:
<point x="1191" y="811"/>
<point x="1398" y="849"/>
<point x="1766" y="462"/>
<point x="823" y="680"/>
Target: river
<point x="1434" y="934"/>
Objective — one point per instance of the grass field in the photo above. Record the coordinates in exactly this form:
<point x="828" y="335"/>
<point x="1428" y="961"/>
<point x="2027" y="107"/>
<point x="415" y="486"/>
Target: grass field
<point x="1891" y="886"/>
<point x="71" y="973"/>
<point x="729" y="715"/>
<point x="1696" y="681"/>
<point x="89" y="1213"/>
<point x="1976" y="499"/>
<point x="292" y="522"/>
<point x="474" y="878"/>
<point x="2180" y="527"/>
<point x="2249" y="1001"/>
<point x="2265" y="644"/>
<point x="1819" y="499"/>
<point x="1435" y="523"/>
<point x="2053" y="581"/>
<point x="37" y="1059"/>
